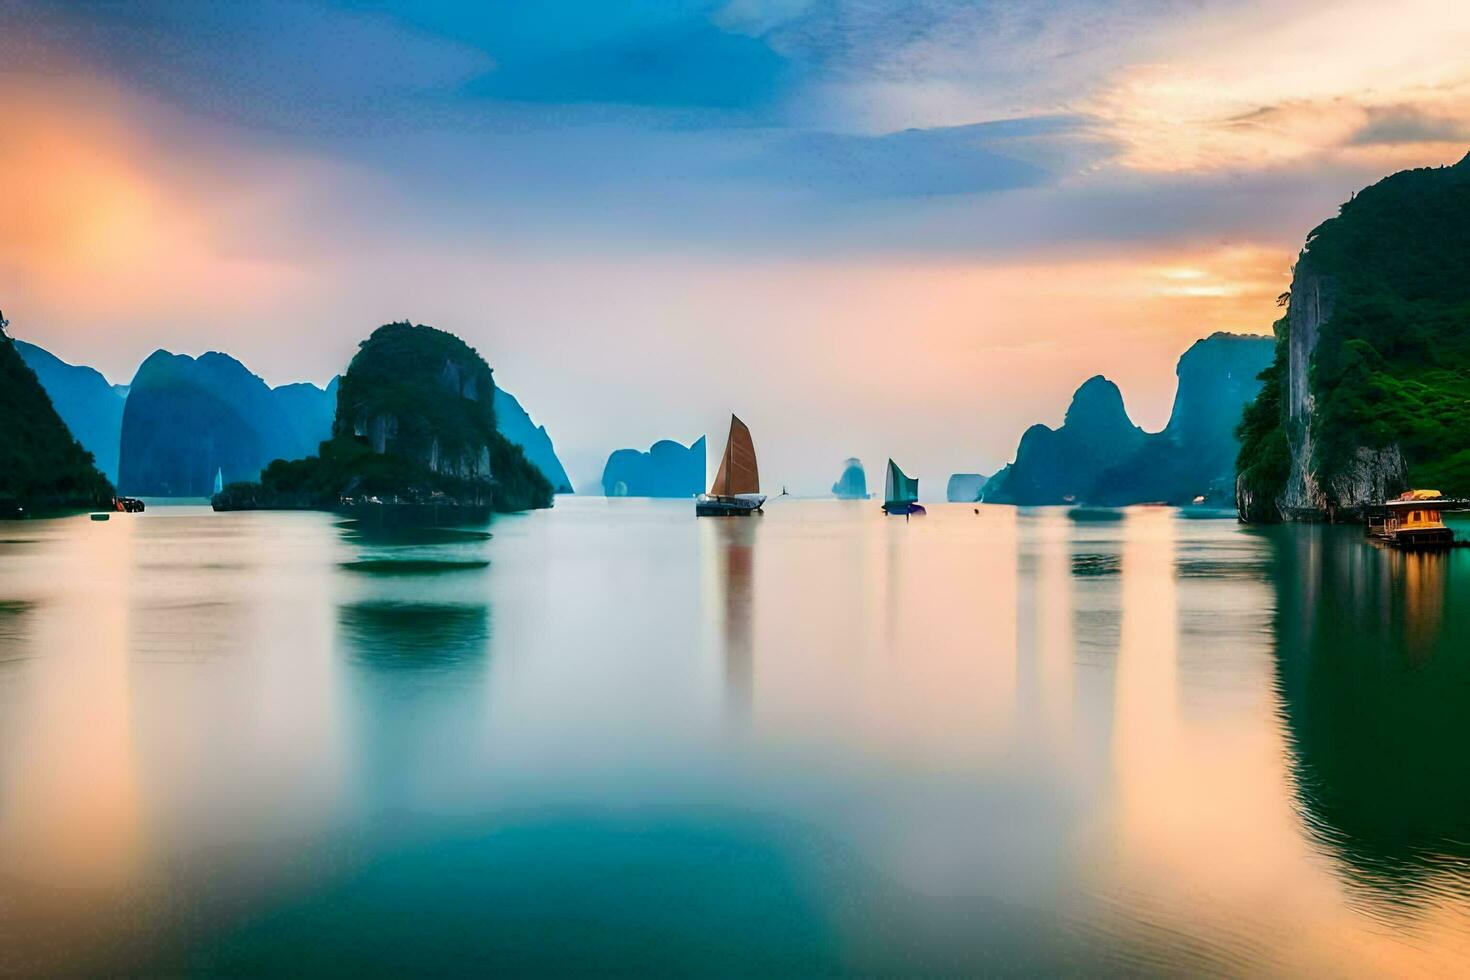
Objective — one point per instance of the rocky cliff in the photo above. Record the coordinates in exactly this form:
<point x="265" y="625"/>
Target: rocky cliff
<point x="1193" y="458"/>
<point x="853" y="483"/>
<point x="965" y="488"/>
<point x="1100" y="457"/>
<point x="91" y="407"/>
<point x="188" y="419"/>
<point x="1055" y="466"/>
<point x="1367" y="390"/>
<point x="668" y="469"/>
<point x="516" y="425"/>
<point x="41" y="464"/>
<point x="415" y="423"/>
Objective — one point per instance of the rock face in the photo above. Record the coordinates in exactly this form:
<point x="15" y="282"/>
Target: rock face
<point x="1366" y="393"/>
<point x="1194" y="456"/>
<point x="188" y="419"/>
<point x="965" y="487"/>
<point x="421" y="395"/>
<point x="415" y="425"/>
<point x="1055" y="466"/>
<point x="1100" y="457"/>
<point x="91" y="407"/>
<point x="41" y="464"/>
<point x="516" y="425"/>
<point x="668" y="469"/>
<point x="853" y="483"/>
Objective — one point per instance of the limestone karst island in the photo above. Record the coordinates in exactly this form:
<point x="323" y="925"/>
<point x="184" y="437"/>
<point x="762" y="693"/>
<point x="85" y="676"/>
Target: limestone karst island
<point x="734" y="488"/>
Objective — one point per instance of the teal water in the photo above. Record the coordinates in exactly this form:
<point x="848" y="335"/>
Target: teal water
<point x="612" y="738"/>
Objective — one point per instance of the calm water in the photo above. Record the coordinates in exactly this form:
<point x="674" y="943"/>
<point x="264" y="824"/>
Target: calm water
<point x="613" y="738"/>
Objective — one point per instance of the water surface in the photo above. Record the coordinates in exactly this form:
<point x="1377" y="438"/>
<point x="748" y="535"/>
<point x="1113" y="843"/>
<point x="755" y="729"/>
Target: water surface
<point x="613" y="738"/>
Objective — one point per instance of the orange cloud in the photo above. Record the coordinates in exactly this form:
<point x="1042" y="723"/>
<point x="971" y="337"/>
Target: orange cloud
<point x="1294" y="82"/>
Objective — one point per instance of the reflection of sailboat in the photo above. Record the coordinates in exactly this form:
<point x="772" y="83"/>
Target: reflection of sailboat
<point x="900" y="492"/>
<point x="736" y="490"/>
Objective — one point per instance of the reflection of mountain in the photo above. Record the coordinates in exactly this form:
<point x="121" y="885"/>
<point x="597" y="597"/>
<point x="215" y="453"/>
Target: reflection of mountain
<point x="393" y="635"/>
<point x="1373" y="672"/>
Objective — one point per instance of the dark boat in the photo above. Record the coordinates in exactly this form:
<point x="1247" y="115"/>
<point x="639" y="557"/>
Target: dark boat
<point x="900" y="493"/>
<point x="736" y="491"/>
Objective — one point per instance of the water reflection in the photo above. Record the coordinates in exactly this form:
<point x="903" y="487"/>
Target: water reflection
<point x="1373" y="674"/>
<point x="734" y="541"/>
<point x="390" y="635"/>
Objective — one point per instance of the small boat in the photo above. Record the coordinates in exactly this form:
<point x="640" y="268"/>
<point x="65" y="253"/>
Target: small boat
<point x="1414" y="520"/>
<point x="736" y="491"/>
<point x="900" y="493"/>
<point x="102" y="516"/>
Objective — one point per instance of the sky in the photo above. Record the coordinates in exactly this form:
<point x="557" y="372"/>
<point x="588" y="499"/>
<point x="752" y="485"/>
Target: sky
<point x="870" y="228"/>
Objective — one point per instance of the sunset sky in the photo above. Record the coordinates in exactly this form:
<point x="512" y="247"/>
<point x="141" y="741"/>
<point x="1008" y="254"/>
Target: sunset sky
<point x="870" y="228"/>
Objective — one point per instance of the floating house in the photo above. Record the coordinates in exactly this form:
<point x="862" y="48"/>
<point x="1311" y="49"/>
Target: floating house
<point x="1415" y="520"/>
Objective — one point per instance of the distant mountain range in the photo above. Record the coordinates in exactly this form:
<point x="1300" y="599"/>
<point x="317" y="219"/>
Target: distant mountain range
<point x="91" y="407"/>
<point x="668" y="469"/>
<point x="185" y="420"/>
<point x="188" y="420"/>
<point x="1098" y="456"/>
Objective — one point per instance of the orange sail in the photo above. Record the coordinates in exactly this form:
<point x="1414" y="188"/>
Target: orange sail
<point x="738" y="473"/>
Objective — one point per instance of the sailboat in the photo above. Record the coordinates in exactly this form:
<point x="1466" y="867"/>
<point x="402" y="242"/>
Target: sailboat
<point x="900" y="493"/>
<point x="219" y="480"/>
<point x="736" y="491"/>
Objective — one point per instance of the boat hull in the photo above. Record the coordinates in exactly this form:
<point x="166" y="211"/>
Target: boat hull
<point x="1422" y="538"/>
<point x="728" y="506"/>
<point x="903" y="509"/>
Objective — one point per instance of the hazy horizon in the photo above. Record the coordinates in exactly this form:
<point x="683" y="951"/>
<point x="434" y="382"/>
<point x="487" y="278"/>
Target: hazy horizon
<point x="869" y="229"/>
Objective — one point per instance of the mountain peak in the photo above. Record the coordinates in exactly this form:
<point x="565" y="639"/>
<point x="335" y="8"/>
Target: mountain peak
<point x="1097" y="401"/>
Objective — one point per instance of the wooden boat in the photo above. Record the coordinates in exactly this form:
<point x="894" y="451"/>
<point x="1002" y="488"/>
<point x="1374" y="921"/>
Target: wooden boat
<point x="736" y="491"/>
<point x="1415" y="520"/>
<point x="900" y="493"/>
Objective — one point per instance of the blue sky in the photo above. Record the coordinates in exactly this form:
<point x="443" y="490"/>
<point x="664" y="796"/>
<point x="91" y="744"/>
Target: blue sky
<point x="978" y="204"/>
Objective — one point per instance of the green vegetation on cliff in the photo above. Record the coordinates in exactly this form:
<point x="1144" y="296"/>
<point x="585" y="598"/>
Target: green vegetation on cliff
<point x="1391" y="360"/>
<point x="41" y="464"/>
<point x="415" y="422"/>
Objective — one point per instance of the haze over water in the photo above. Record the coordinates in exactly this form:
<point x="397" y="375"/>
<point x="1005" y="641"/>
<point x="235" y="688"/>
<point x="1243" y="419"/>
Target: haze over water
<point x="611" y="737"/>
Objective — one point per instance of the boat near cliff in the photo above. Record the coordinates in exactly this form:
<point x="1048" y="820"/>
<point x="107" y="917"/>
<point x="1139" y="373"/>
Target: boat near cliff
<point x="1415" y="520"/>
<point x="736" y="491"/>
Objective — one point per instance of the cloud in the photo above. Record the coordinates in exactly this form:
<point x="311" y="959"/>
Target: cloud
<point x="1393" y="125"/>
<point x="975" y="159"/>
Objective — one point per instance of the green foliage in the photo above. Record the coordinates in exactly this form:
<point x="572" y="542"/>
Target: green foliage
<point x="435" y="395"/>
<point x="1392" y="364"/>
<point x="1264" y="461"/>
<point x="41" y="465"/>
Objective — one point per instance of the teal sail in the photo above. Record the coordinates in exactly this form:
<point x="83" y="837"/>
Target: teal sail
<point x="899" y="489"/>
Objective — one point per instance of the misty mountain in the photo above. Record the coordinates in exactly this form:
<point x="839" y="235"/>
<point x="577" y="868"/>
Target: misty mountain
<point x="88" y="403"/>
